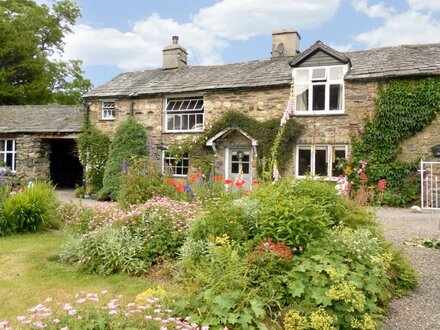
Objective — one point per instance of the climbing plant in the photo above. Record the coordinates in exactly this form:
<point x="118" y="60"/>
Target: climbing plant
<point x="403" y="108"/>
<point x="263" y="131"/>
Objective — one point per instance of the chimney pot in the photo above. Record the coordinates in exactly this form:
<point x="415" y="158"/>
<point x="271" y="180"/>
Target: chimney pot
<point x="174" y="55"/>
<point x="175" y="40"/>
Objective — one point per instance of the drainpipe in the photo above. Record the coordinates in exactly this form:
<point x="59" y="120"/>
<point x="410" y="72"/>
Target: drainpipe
<point x="132" y="95"/>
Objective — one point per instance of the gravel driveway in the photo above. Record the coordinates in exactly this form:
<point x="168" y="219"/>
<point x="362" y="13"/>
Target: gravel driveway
<point x="421" y="308"/>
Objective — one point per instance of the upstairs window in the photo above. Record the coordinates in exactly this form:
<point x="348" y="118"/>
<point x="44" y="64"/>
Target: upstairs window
<point x="108" y="110"/>
<point x="174" y="166"/>
<point x="320" y="89"/>
<point x="185" y="114"/>
<point x="320" y="160"/>
<point x="7" y="154"/>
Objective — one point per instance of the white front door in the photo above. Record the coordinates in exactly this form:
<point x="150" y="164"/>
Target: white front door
<point x="240" y="166"/>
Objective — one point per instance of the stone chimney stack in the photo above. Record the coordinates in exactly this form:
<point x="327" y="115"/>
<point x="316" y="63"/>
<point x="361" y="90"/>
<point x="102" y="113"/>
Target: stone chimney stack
<point x="285" y="43"/>
<point x="174" y="55"/>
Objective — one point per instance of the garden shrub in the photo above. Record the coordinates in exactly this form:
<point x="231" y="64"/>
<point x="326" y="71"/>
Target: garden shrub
<point x="142" y="181"/>
<point x="93" y="150"/>
<point x="29" y="210"/>
<point x="130" y="140"/>
<point x="294" y="247"/>
<point x="114" y="240"/>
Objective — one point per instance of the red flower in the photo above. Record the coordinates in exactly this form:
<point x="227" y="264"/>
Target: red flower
<point x="382" y="185"/>
<point x="217" y="178"/>
<point x="240" y="183"/>
<point x="194" y="177"/>
<point x="180" y="187"/>
<point x="255" y="182"/>
<point x="171" y="181"/>
<point x="229" y="181"/>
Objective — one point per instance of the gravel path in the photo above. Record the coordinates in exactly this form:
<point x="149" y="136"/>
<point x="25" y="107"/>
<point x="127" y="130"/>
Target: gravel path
<point x="421" y="308"/>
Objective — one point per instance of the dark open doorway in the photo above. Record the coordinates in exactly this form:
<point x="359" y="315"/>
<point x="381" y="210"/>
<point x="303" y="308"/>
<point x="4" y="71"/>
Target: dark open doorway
<point x="65" y="169"/>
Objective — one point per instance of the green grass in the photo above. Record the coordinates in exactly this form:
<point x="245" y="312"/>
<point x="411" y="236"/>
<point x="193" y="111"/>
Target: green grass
<point x="29" y="274"/>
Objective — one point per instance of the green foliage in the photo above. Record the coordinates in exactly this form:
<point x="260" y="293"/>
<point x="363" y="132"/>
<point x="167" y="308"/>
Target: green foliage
<point x="291" y="246"/>
<point x="31" y="210"/>
<point x="93" y="150"/>
<point x="265" y="132"/>
<point x="30" y="34"/>
<point x="219" y="292"/>
<point x="130" y="245"/>
<point x="404" y="107"/>
<point x="142" y="181"/>
<point x="225" y="220"/>
<point x="130" y="140"/>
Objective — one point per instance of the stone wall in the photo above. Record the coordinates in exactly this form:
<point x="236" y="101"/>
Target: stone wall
<point x="420" y="144"/>
<point x="31" y="159"/>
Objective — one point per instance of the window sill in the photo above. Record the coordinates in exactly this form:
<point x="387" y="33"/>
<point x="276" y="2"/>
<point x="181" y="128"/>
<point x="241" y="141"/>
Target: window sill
<point x="184" y="132"/>
<point x="317" y="177"/>
<point x="107" y="119"/>
<point x="319" y="114"/>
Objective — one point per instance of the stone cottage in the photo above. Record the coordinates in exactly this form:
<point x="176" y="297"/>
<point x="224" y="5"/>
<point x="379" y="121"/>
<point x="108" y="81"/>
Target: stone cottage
<point x="335" y="93"/>
<point x="38" y="142"/>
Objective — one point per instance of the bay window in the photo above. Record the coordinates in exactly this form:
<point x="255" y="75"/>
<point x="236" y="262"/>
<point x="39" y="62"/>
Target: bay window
<point x="320" y="89"/>
<point x="319" y="160"/>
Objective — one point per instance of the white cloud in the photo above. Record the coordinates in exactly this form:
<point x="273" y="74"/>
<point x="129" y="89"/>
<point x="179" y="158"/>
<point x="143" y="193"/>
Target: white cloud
<point x="408" y="27"/>
<point x="433" y="5"/>
<point x="241" y="19"/>
<point x="373" y="11"/>
<point x="142" y="47"/>
<point x="341" y="48"/>
<point x="203" y="37"/>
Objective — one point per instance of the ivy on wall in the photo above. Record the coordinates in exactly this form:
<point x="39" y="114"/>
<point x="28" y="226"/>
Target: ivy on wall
<point x="263" y="131"/>
<point x="403" y="108"/>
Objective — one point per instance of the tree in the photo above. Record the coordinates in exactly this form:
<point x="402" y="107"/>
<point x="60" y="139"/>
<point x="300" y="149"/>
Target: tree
<point x="130" y="140"/>
<point x="31" y="36"/>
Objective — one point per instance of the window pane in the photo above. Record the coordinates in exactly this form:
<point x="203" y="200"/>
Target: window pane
<point x="318" y="74"/>
<point x="302" y="75"/>
<point x="302" y="100"/>
<point x="170" y="123"/>
<point x="9" y="145"/>
<point x="170" y="105"/>
<point x="304" y="161"/>
<point x="336" y="73"/>
<point x="245" y="168"/>
<point x="234" y="168"/>
<point x="192" y="104"/>
<point x="335" y="97"/>
<point x="339" y="154"/>
<point x="184" y="105"/>
<point x="192" y="121"/>
<point x="185" y="122"/>
<point x="177" y="122"/>
<point x="2" y="158"/>
<point x="2" y="145"/>
<point x="318" y="97"/>
<point x="9" y="161"/>
<point x="321" y="162"/>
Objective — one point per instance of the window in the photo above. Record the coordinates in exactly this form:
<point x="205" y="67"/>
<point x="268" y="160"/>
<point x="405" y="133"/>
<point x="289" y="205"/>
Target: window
<point x="7" y="154"/>
<point x="108" y="110"/>
<point x="177" y="167"/>
<point x="320" y="89"/>
<point x="184" y="114"/>
<point x="320" y="160"/>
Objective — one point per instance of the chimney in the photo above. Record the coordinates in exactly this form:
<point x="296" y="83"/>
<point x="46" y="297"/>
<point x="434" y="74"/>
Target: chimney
<point x="285" y="43"/>
<point x="174" y="55"/>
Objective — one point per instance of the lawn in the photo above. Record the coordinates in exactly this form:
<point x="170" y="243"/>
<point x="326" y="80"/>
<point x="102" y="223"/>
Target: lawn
<point x="29" y="274"/>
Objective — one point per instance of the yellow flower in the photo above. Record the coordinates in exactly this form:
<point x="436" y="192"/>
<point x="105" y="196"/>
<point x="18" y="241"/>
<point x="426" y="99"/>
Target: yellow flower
<point x="158" y="292"/>
<point x="320" y="320"/>
<point x="295" y="321"/>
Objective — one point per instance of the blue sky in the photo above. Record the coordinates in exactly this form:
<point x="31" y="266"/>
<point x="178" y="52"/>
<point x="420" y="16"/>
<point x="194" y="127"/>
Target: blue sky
<point x="115" y="36"/>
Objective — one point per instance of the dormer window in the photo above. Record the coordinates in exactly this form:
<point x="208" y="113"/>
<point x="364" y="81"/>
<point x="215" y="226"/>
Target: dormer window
<point x="320" y="89"/>
<point x="108" y="110"/>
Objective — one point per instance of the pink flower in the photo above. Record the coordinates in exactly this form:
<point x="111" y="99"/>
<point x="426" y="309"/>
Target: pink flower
<point x="72" y="312"/>
<point x="113" y="312"/>
<point x="40" y="324"/>
<point x="56" y="321"/>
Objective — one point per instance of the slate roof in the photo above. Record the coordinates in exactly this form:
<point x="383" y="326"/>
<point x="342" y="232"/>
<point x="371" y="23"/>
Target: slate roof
<point x="40" y="119"/>
<point x="319" y="45"/>
<point x="260" y="73"/>
<point x="377" y="63"/>
<point x="395" y="61"/>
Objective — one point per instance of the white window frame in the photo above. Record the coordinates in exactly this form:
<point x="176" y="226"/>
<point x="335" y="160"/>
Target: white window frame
<point x="180" y="113"/>
<point x="326" y="81"/>
<point x="165" y="157"/>
<point x="4" y="152"/>
<point x="330" y="160"/>
<point x="108" y="110"/>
